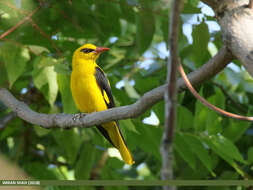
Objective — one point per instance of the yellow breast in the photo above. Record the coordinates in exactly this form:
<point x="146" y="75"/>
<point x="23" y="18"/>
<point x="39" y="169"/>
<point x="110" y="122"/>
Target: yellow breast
<point x="85" y="91"/>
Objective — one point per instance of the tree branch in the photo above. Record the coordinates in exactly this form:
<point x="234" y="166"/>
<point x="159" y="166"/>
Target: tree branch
<point x="211" y="68"/>
<point x="251" y="4"/>
<point x="170" y="97"/>
<point x="232" y="15"/>
<point x="211" y="3"/>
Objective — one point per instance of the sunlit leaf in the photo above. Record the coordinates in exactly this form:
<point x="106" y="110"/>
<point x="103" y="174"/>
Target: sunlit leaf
<point x="44" y="74"/>
<point x="200" y="44"/>
<point x="14" y="57"/>
<point x="67" y="99"/>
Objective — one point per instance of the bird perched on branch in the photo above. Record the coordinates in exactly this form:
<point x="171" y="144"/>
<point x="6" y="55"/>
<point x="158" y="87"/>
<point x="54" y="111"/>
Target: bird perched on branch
<point x="92" y="93"/>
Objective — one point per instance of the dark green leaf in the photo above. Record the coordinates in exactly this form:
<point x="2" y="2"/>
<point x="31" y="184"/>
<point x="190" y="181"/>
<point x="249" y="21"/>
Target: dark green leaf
<point x="183" y="148"/>
<point x="235" y="130"/>
<point x="250" y="155"/>
<point x="200" y="151"/>
<point x="194" y="3"/>
<point x="185" y="119"/>
<point x="224" y="146"/>
<point x="69" y="141"/>
<point x="85" y="162"/>
<point x="145" y="23"/>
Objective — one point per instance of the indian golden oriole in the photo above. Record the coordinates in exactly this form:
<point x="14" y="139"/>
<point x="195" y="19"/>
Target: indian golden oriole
<point x="92" y="93"/>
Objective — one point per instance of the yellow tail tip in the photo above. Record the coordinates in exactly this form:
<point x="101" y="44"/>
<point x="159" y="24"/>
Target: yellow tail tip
<point x="130" y="162"/>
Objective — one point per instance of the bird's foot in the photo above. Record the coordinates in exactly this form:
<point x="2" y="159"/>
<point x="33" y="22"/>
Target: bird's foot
<point x="78" y="116"/>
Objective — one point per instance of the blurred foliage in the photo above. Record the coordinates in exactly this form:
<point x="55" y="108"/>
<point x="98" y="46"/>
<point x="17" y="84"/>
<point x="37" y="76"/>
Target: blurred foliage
<point x="35" y="64"/>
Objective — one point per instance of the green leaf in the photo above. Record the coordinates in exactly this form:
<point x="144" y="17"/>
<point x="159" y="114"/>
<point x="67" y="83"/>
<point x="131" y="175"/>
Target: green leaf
<point x="44" y="74"/>
<point x="250" y="155"/>
<point x="222" y="145"/>
<point x="85" y="162"/>
<point x="213" y="123"/>
<point x="3" y="76"/>
<point x="108" y="172"/>
<point x="229" y="175"/>
<point x="12" y="129"/>
<point x="199" y="150"/>
<point x="194" y="3"/>
<point x="235" y="130"/>
<point x="66" y="96"/>
<point x="128" y="125"/>
<point x="190" y="7"/>
<point x="127" y="10"/>
<point x="69" y="141"/>
<point x="15" y="59"/>
<point x="200" y="44"/>
<point x="116" y="55"/>
<point x="41" y="131"/>
<point x="233" y="77"/>
<point x="201" y="113"/>
<point x="183" y="148"/>
<point x="225" y="148"/>
<point x="38" y="49"/>
<point x="107" y="12"/>
<point x="62" y="68"/>
<point x="150" y="138"/>
<point x="213" y="120"/>
<point x="165" y="28"/>
<point x="132" y="93"/>
<point x="159" y="111"/>
<point x="39" y="170"/>
<point x="145" y="27"/>
<point x="187" y="122"/>
<point x="218" y="99"/>
<point x="206" y="118"/>
<point x="144" y="84"/>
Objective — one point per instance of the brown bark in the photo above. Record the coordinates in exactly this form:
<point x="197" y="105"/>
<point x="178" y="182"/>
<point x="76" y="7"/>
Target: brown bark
<point x="236" y="20"/>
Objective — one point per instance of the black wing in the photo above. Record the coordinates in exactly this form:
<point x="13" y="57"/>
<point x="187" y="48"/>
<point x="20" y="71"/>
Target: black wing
<point x="104" y="87"/>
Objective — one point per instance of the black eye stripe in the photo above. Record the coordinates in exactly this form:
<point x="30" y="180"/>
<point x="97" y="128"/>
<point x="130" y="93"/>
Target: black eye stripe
<point x="87" y="50"/>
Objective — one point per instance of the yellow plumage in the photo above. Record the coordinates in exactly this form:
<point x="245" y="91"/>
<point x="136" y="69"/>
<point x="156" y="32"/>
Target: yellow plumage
<point x="91" y="92"/>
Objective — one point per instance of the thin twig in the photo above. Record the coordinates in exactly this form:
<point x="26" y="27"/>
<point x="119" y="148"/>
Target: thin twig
<point x="19" y="23"/>
<point x="47" y="37"/>
<point x="206" y="103"/>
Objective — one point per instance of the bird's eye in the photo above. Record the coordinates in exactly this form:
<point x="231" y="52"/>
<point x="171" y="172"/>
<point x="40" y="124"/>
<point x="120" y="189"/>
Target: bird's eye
<point x="86" y="50"/>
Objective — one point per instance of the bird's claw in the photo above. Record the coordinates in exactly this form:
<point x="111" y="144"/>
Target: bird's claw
<point x="78" y="116"/>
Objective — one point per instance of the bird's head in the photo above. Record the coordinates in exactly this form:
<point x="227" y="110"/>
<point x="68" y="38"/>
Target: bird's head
<point x="89" y="52"/>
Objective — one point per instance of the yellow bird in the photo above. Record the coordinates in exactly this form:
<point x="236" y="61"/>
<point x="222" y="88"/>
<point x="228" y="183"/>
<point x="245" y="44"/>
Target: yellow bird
<point x="92" y="93"/>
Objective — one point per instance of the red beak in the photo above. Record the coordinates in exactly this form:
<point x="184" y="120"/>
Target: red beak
<point x="101" y="49"/>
